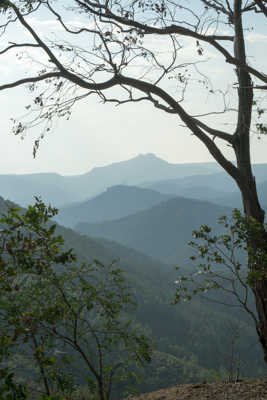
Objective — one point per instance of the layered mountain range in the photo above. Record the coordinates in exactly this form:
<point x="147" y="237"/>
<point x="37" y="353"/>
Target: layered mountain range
<point x="144" y="203"/>
<point x="115" y="202"/>
<point x="162" y="231"/>
<point x="186" y="336"/>
<point x="60" y="190"/>
<point x="141" y="214"/>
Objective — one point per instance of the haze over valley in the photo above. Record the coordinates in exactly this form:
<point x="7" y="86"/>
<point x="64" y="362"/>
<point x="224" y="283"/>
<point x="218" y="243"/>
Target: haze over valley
<point x="140" y="213"/>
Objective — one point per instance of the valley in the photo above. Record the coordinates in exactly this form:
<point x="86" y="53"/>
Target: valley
<point x="144" y="228"/>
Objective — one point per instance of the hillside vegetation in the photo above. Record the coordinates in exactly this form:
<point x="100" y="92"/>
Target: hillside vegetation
<point x="163" y="231"/>
<point x="116" y="202"/>
<point x="192" y="341"/>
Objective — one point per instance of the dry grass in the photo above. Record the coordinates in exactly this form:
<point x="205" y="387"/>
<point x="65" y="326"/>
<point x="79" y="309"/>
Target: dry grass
<point x="244" y="390"/>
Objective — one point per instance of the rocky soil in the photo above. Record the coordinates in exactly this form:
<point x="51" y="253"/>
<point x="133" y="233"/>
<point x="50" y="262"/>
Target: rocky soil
<point x="242" y="390"/>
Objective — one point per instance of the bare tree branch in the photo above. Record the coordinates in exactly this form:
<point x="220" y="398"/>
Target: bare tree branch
<point x="261" y="6"/>
<point x="32" y="79"/>
<point x="16" y="45"/>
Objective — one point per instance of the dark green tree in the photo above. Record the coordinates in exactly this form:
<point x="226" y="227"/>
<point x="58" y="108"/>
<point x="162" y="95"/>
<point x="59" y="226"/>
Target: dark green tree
<point x="51" y="305"/>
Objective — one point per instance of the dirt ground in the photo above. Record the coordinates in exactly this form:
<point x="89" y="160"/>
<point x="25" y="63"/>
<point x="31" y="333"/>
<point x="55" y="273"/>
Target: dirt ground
<point x="244" y="390"/>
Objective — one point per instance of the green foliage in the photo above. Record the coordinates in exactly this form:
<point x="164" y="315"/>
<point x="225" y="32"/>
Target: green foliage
<point x="3" y="6"/>
<point x="51" y="306"/>
<point x="171" y="370"/>
<point x="233" y="261"/>
<point x="261" y="127"/>
<point x="181" y="332"/>
<point x="12" y="391"/>
<point x="9" y="390"/>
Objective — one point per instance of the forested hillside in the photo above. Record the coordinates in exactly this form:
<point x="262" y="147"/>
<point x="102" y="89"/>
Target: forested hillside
<point x="116" y="202"/>
<point x="145" y="232"/>
<point x="163" y="231"/>
<point x="185" y="336"/>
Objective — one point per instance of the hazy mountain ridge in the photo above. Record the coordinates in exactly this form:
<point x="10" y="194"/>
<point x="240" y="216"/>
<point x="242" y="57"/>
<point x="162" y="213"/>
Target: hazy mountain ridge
<point x="58" y="190"/>
<point x="22" y="188"/>
<point x="218" y="188"/>
<point x="147" y="171"/>
<point x="89" y="249"/>
<point x="234" y="199"/>
<point x="217" y="183"/>
<point x="162" y="231"/>
<point x="116" y="202"/>
<point x="149" y="167"/>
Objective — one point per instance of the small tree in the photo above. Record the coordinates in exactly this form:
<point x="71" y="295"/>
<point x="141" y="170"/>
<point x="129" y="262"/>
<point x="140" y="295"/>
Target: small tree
<point x="50" y="304"/>
<point x="226" y="263"/>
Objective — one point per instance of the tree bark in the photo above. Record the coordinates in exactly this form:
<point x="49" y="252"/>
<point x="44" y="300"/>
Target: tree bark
<point x="246" y="181"/>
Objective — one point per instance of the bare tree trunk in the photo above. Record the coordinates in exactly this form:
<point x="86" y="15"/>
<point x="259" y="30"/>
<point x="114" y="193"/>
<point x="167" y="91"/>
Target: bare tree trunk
<point x="260" y="293"/>
<point x="246" y="182"/>
<point x="40" y="364"/>
<point x="258" y="244"/>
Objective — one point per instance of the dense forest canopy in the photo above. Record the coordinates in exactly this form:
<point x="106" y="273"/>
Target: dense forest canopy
<point x="183" y="339"/>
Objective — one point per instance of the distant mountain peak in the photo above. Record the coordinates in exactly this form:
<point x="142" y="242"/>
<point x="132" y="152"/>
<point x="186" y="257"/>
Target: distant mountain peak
<point x="150" y="156"/>
<point x="141" y="161"/>
<point x="119" y="188"/>
<point x="128" y="189"/>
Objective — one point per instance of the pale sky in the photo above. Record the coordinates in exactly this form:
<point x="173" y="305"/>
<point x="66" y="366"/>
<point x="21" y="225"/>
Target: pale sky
<point x="98" y="134"/>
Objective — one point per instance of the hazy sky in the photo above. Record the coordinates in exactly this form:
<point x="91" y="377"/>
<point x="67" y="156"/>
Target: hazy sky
<point x="100" y="134"/>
